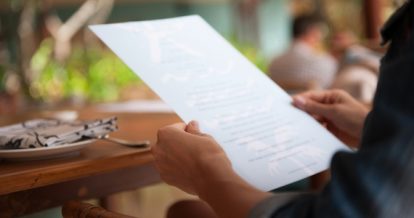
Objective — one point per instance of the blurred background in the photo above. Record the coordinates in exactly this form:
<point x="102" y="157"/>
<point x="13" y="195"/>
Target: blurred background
<point x="49" y="58"/>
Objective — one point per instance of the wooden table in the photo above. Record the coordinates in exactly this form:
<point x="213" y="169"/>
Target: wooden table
<point x="101" y="169"/>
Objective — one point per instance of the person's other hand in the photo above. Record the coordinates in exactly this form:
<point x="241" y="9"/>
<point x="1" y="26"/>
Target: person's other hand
<point x="340" y="112"/>
<point x="184" y="157"/>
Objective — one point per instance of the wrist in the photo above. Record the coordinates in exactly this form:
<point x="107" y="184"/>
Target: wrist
<point x="214" y="170"/>
<point x="226" y="192"/>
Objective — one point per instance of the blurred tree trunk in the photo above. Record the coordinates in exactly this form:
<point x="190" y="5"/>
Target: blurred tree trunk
<point x="63" y="32"/>
<point x="27" y="42"/>
<point x="373" y="14"/>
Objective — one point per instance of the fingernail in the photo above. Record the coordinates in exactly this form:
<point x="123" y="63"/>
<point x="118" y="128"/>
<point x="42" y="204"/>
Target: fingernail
<point x="299" y="102"/>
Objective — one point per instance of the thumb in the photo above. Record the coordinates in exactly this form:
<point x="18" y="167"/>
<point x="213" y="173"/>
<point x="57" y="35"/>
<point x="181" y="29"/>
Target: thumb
<point x="193" y="128"/>
<point x="313" y="107"/>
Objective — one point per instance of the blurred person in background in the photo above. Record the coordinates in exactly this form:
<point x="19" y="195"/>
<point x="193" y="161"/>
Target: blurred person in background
<point x="358" y="67"/>
<point x="304" y="65"/>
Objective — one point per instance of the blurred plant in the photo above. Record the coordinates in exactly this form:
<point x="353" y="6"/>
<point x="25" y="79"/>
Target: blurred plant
<point x="24" y="23"/>
<point x="251" y="53"/>
<point x="94" y="75"/>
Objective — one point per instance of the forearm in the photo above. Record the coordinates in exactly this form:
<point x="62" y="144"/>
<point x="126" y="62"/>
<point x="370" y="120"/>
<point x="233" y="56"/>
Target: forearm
<point x="233" y="199"/>
<point x="226" y="192"/>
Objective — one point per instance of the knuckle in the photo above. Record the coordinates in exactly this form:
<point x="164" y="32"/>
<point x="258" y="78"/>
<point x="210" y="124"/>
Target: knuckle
<point x="162" y="132"/>
<point x="339" y="92"/>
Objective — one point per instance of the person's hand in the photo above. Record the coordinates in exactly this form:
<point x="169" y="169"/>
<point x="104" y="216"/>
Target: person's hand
<point x="195" y="163"/>
<point x="340" y="112"/>
<point x="184" y="157"/>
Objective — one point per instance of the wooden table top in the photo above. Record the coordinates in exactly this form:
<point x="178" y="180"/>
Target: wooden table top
<point x="98" y="157"/>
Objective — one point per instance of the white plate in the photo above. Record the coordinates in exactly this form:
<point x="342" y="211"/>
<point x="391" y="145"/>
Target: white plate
<point x="43" y="153"/>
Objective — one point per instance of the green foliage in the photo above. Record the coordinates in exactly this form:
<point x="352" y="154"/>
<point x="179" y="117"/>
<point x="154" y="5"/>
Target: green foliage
<point x="95" y="75"/>
<point x="252" y="53"/>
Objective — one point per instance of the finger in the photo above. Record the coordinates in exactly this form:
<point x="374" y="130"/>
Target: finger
<point x="327" y="96"/>
<point x="313" y="107"/>
<point x="193" y="127"/>
<point x="180" y="126"/>
<point x="165" y="132"/>
<point x="316" y="95"/>
<point x="301" y="105"/>
<point x="324" y="96"/>
<point x="316" y="108"/>
<point x="299" y="101"/>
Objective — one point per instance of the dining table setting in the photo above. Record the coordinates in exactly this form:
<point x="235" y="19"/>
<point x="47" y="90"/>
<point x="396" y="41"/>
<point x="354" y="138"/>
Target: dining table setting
<point x="51" y="157"/>
<point x="48" y="158"/>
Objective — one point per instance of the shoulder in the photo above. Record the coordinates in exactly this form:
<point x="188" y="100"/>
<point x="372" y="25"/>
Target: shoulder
<point x="396" y="21"/>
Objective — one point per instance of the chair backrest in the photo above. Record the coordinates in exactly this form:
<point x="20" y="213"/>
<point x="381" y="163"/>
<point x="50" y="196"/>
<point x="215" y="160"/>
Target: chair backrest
<point x="295" y="88"/>
<point x="74" y="209"/>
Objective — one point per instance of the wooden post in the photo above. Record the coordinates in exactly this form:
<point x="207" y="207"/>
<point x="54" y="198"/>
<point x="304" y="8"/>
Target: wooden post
<point x="373" y="15"/>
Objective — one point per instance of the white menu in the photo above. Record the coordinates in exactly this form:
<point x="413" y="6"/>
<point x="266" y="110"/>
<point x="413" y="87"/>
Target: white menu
<point x="202" y="77"/>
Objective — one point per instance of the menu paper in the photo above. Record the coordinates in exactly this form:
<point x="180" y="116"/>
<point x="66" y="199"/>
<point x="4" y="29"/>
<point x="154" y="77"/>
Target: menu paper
<point x="202" y="77"/>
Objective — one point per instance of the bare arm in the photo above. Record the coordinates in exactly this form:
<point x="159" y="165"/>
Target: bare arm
<point x="195" y="163"/>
